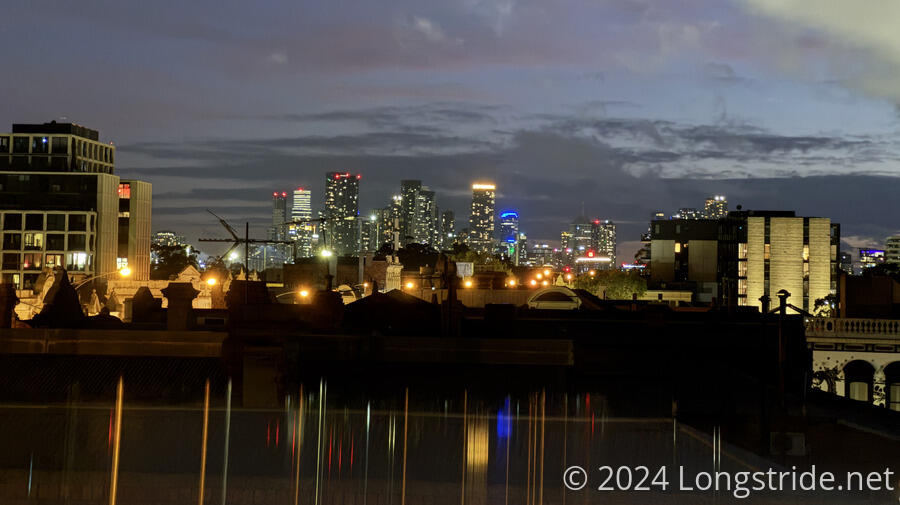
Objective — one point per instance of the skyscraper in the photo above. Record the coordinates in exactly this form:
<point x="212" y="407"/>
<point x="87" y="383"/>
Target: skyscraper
<point x="509" y="226"/>
<point x="448" y="230"/>
<point x="61" y="205"/>
<point x="341" y="211"/>
<point x="481" y="220"/>
<point x="892" y="249"/>
<point x="134" y="228"/>
<point x="302" y="229"/>
<point x="603" y="239"/>
<point x="716" y="207"/>
<point x="425" y="220"/>
<point x="279" y="215"/>
<point x="409" y="192"/>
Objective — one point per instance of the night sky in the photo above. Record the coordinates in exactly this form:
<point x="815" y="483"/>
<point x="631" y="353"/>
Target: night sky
<point x="622" y="106"/>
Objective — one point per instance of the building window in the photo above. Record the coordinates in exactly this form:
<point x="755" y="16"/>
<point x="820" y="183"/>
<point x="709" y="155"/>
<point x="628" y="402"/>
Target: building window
<point x="76" y="262"/>
<point x="121" y="263"/>
<point x="76" y="242"/>
<point x="56" y="222"/>
<point x="859" y="391"/>
<point x="53" y="260"/>
<point x="742" y="269"/>
<point x="805" y="252"/>
<point x="4" y="144"/>
<point x="77" y="222"/>
<point x="40" y="145"/>
<point x="742" y="251"/>
<point x="20" y="145"/>
<point x="32" y="261"/>
<point x="60" y="145"/>
<point x="12" y="221"/>
<point x="894" y="392"/>
<point x="768" y="251"/>
<point x="12" y="241"/>
<point x="56" y="242"/>
<point x="124" y="190"/>
<point x="677" y="247"/>
<point x="34" y="221"/>
<point x="34" y="241"/>
<point x="10" y="261"/>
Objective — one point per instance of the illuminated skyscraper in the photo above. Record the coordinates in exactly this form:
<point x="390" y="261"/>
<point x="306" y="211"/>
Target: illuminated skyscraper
<point x="716" y="207"/>
<point x="409" y="192"/>
<point x="302" y="229"/>
<point x="603" y="239"/>
<point x="279" y="215"/>
<point x="481" y="220"/>
<point x="341" y="211"/>
<point x="448" y="230"/>
<point x="425" y="219"/>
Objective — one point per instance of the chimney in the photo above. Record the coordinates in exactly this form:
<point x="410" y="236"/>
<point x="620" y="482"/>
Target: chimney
<point x="180" y="314"/>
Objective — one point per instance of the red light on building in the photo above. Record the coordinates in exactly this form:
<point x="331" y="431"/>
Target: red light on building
<point x="275" y="194"/>
<point x="596" y="221"/>
<point x="284" y="194"/>
<point x="590" y="254"/>
<point x="337" y="177"/>
<point x="567" y="269"/>
<point x="358" y="177"/>
<point x="299" y="189"/>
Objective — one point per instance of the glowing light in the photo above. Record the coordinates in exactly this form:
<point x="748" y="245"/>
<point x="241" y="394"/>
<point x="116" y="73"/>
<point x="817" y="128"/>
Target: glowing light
<point x="568" y="277"/>
<point x="512" y="283"/>
<point x="592" y="273"/>
<point x="533" y="282"/>
<point x="468" y="284"/>
<point x="510" y="213"/>
<point x="233" y="256"/>
<point x="326" y="253"/>
<point x="483" y="186"/>
<point x="304" y="293"/>
<point x="211" y="281"/>
<point x="547" y="272"/>
<point x="409" y="285"/>
<point x="545" y="283"/>
<point x="539" y="276"/>
<point x="590" y="254"/>
<point x="125" y="272"/>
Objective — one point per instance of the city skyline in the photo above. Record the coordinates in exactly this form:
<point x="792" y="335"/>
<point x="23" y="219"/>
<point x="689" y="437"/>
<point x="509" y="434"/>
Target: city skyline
<point x="751" y="98"/>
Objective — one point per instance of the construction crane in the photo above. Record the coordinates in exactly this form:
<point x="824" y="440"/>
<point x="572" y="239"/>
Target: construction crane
<point x="236" y="240"/>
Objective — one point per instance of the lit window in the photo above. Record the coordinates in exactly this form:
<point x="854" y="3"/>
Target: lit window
<point x="742" y="251"/>
<point x="124" y="190"/>
<point x="895" y="396"/>
<point x="53" y="260"/>
<point x="677" y="247"/>
<point x="768" y="251"/>
<point x="76" y="262"/>
<point x="859" y="391"/>
<point x="806" y="252"/>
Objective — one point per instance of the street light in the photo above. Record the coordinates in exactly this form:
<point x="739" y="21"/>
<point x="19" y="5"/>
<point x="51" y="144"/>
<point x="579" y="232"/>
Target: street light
<point x="326" y="253"/>
<point x="124" y="272"/>
<point x="409" y="285"/>
<point x="211" y="281"/>
<point x="468" y="284"/>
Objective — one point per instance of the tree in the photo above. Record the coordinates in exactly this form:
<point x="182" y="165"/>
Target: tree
<point x="614" y="284"/>
<point x="171" y="260"/>
<point x="825" y="307"/>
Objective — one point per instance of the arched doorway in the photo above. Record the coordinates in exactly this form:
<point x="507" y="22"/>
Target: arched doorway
<point x="858" y="378"/>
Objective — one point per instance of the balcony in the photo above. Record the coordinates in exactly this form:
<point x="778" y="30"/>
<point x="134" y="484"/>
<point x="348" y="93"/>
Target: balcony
<point x="853" y="328"/>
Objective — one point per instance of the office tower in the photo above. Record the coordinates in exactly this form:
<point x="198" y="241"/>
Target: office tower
<point x="133" y="251"/>
<point x="168" y="238"/>
<point x="481" y="219"/>
<point x="869" y="258"/>
<point x="301" y="207"/>
<point x="302" y="228"/>
<point x="409" y="191"/>
<point x="603" y="239"/>
<point x="847" y="262"/>
<point x="60" y="204"/>
<point x="892" y="249"/>
<point x="763" y="252"/>
<point x="448" y="230"/>
<point x="581" y="236"/>
<point x="425" y="218"/>
<point x="716" y="207"/>
<point x="341" y="211"/>
<point x="370" y="232"/>
<point x="279" y="216"/>
<point x="508" y="235"/>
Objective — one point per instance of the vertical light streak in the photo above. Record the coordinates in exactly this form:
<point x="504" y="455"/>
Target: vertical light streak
<point x="117" y="432"/>
<point x="366" y="477"/>
<point x="543" y="432"/>
<point x="30" y="473"/>
<point x="227" y="440"/>
<point x="319" y="438"/>
<point x="298" y="437"/>
<point x="405" y="441"/>
<point x="203" y="444"/>
<point x="465" y="451"/>
<point x="508" y="441"/>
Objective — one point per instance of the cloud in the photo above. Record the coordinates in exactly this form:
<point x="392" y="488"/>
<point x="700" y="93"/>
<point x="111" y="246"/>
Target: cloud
<point x="859" y="39"/>
<point x="431" y="31"/>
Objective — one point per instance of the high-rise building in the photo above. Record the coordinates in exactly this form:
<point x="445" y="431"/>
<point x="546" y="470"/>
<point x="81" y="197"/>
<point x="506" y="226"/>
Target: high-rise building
<point x="302" y="228"/>
<point x="508" y="235"/>
<point x="370" y="232"/>
<point x="425" y="218"/>
<point x="581" y="236"/>
<point x="716" y="207"/>
<point x="341" y="211"/>
<point x="892" y="249"/>
<point x="847" y="262"/>
<point x="60" y="205"/>
<point x="762" y="253"/>
<point x="133" y="251"/>
<point x="603" y="239"/>
<point x="481" y="220"/>
<point x="409" y="192"/>
<point x="279" y="216"/>
<point x="448" y="230"/>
